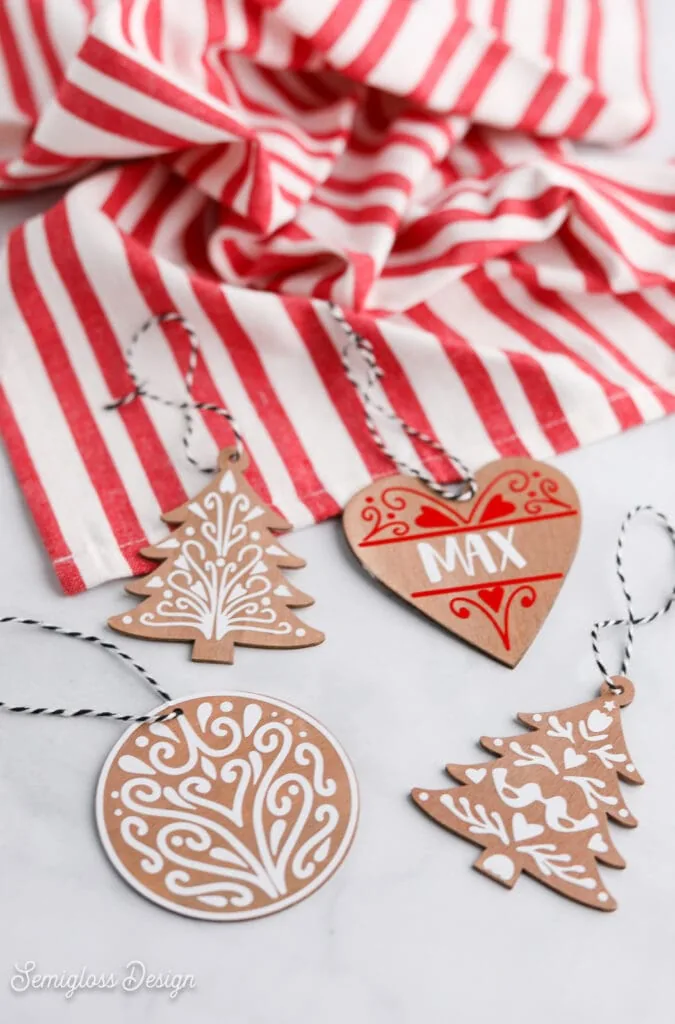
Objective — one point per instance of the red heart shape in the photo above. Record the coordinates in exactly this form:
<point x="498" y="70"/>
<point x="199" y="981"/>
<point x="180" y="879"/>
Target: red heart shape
<point x="497" y="508"/>
<point x="492" y="597"/>
<point x="431" y="518"/>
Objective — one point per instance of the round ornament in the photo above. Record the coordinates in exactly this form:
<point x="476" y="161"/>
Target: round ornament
<point x="241" y="806"/>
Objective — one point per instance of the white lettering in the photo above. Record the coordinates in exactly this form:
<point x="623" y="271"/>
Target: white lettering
<point x="464" y="550"/>
<point x="505" y="545"/>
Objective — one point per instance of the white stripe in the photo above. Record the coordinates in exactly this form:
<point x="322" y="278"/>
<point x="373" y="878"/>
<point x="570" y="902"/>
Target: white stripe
<point x="235" y="397"/>
<point x="29" y="52"/>
<point x="102" y="252"/>
<point x="526" y="28"/>
<point x="90" y="377"/>
<point x="183" y="42"/>
<point x="361" y="29"/>
<point x="630" y="335"/>
<point x="58" y="463"/>
<point x="67" y="27"/>
<point x="440" y="392"/>
<point x="512" y="88"/>
<point x="407" y="58"/>
<point x="155" y="113"/>
<point x="298" y="385"/>
<point x="459" y="308"/>
<point x="461" y="65"/>
<point x="574" y="32"/>
<point x="392" y="434"/>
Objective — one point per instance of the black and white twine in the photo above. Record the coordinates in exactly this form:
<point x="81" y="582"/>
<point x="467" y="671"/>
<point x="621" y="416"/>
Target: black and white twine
<point x="188" y="406"/>
<point x="107" y="645"/>
<point x="631" y="621"/>
<point x="463" y="490"/>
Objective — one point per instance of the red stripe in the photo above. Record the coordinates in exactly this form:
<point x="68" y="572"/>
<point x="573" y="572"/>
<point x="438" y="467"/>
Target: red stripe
<point x="447" y="47"/>
<point x="254" y="377"/>
<point x="253" y="17"/>
<point x="438" y="64"/>
<point x="531" y="374"/>
<point x="556" y="27"/>
<point x="146" y="227"/>
<point x="504" y="583"/>
<point x="38" y="501"/>
<point x="593" y="37"/>
<point x="116" y="122"/>
<point x="335" y="24"/>
<point x="624" y="406"/>
<point x="542" y="101"/>
<point x="38" y="16"/>
<point x="587" y="113"/>
<point x="16" y="70"/>
<point x="625" y="409"/>
<point x="641" y="308"/>
<point x="130" y="179"/>
<point x="92" y="448"/>
<point x="146" y="274"/>
<point x="489" y="64"/>
<point x="123" y="69"/>
<point x="422" y="231"/>
<point x="381" y="39"/>
<point x="403" y="398"/>
<point x="105" y="346"/>
<point x="644" y="70"/>
<point x="499" y="13"/>
<point x="153" y="28"/>
<point x="476" y="380"/>
<point x="342" y="394"/>
<point x="358" y="186"/>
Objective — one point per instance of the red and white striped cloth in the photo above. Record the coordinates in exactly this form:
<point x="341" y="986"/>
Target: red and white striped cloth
<point x="420" y="162"/>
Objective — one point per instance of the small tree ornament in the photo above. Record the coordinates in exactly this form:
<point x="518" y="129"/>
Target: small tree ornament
<point x="220" y="581"/>
<point x="543" y="808"/>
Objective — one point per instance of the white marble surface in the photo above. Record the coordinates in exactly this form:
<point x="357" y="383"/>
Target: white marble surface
<point x="406" y="932"/>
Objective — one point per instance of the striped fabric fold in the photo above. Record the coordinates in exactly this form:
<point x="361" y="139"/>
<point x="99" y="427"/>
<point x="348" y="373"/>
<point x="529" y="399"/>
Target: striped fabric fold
<point x="424" y="165"/>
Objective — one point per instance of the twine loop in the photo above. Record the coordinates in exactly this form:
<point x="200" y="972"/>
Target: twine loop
<point x="631" y="620"/>
<point x="463" y="490"/>
<point x="188" y="406"/>
<point x="111" y="648"/>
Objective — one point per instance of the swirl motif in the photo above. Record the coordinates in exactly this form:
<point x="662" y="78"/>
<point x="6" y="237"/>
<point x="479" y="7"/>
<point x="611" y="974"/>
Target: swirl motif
<point x="237" y="808"/>
<point x="462" y="607"/>
<point x="219" y="583"/>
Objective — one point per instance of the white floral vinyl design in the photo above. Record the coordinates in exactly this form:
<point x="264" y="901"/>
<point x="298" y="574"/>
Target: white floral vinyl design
<point x="220" y="581"/>
<point x="544" y="806"/>
<point x="229" y="811"/>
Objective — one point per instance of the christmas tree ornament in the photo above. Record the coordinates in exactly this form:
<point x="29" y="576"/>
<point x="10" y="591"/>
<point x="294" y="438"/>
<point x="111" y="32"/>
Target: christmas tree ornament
<point x="543" y="807"/>
<point x="485" y="557"/>
<point x="220" y="580"/>
<point x="223" y="806"/>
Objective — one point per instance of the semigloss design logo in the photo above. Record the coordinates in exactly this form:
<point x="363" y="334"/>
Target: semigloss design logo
<point x="135" y="978"/>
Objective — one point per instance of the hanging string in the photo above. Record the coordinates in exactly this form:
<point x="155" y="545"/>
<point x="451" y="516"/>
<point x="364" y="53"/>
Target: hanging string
<point x="189" y="406"/>
<point x="631" y="621"/>
<point x="112" y="648"/>
<point x="462" y="491"/>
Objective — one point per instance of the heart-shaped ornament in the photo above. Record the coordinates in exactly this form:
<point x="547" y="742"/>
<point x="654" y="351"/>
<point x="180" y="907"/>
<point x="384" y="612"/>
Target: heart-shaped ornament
<point x="488" y="569"/>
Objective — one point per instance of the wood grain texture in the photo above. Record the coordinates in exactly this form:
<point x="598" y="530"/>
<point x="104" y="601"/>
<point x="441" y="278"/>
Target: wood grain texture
<point x="487" y="569"/>
<point x="220" y="581"/>
<point x="543" y="807"/>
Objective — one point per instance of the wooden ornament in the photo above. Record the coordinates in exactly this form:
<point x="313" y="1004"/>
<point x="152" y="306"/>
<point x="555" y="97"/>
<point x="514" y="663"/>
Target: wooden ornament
<point x="543" y="807"/>
<point x="240" y="807"/>
<point x="220" y="582"/>
<point x="489" y="568"/>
